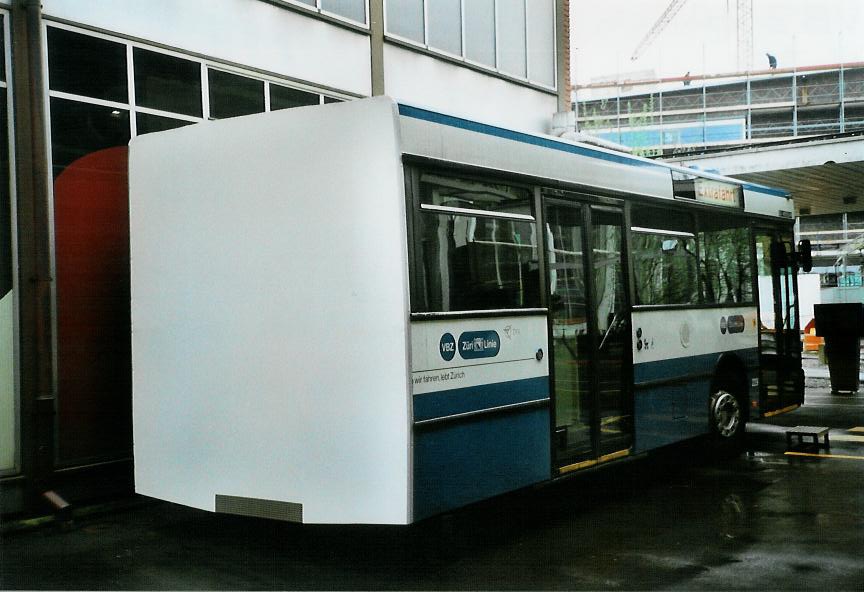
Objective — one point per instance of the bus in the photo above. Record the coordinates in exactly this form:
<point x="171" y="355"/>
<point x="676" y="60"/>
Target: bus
<point x="370" y="312"/>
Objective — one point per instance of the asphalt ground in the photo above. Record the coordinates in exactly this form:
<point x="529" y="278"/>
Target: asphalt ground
<point x="671" y="521"/>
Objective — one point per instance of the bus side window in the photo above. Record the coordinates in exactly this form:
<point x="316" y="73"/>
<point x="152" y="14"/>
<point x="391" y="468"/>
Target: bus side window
<point x="471" y="261"/>
<point x="664" y="257"/>
<point x="725" y="260"/>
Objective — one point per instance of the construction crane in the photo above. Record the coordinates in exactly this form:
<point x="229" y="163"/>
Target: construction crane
<point x="658" y="27"/>
<point x="744" y="31"/>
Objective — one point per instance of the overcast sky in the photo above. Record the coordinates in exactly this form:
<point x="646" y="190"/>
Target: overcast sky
<point x="702" y="37"/>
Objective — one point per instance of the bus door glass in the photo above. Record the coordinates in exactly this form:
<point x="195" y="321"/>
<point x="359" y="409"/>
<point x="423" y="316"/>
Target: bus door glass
<point x="612" y="318"/>
<point x="589" y="333"/>
<point x="779" y="339"/>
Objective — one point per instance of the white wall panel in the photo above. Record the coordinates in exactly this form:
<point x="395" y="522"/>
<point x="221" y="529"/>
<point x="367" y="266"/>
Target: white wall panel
<point x="270" y="312"/>
<point x="247" y="32"/>
<point x="422" y="80"/>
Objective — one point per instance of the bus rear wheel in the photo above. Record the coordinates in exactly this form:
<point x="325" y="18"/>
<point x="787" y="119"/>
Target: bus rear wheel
<point x="728" y="422"/>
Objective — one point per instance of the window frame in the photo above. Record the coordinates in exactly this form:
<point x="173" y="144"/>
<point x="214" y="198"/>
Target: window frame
<point x="632" y="250"/>
<point x="413" y="170"/>
<point x="204" y="64"/>
<point x="328" y="14"/>
<point x="130" y="60"/>
<point x="697" y="210"/>
<point x="7" y="87"/>
<point x="748" y="228"/>
<point x="461" y="59"/>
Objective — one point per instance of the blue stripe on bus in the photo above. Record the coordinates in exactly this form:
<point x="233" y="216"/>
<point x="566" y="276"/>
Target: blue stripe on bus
<point x="500" y="132"/>
<point x="768" y="190"/>
<point x="670" y="413"/>
<point x="679" y="367"/>
<point x="459" y="463"/>
<point x="476" y="398"/>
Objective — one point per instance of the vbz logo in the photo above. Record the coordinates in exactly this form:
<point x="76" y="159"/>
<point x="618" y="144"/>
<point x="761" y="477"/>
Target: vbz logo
<point x="447" y="347"/>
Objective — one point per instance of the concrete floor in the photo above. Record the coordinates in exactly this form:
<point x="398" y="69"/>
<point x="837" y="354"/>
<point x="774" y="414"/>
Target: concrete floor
<point x="763" y="521"/>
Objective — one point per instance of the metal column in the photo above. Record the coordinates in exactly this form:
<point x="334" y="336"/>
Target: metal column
<point x="34" y="248"/>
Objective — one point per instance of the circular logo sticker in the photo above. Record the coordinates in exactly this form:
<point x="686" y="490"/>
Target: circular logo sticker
<point x="447" y="347"/>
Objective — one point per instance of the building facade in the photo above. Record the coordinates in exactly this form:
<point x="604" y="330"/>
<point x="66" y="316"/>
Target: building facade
<point x="674" y="115"/>
<point x="80" y="78"/>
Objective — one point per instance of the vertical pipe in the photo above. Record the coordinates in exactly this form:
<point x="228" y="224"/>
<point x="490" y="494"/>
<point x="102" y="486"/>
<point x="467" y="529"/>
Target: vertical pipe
<point x="704" y="101"/>
<point x="845" y="241"/>
<point x="34" y="246"/>
<point x="749" y="133"/>
<point x="376" y="45"/>
<point x="562" y="56"/>
<point x="842" y="97"/>
<point x="794" y="102"/>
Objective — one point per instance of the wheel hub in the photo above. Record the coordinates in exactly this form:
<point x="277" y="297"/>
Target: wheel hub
<point x="726" y="413"/>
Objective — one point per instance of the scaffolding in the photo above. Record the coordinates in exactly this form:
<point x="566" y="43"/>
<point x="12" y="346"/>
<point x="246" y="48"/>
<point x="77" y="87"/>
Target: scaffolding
<point x="669" y="114"/>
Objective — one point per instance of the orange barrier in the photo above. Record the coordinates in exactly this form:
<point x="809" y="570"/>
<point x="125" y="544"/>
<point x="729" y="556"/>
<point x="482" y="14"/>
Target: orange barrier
<point x="811" y="340"/>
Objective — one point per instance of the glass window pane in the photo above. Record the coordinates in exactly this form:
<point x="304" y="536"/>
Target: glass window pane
<point x="445" y="25"/>
<point x="147" y="123"/>
<point x="2" y="51"/>
<point x="664" y="257"/>
<point x="405" y="18"/>
<point x="471" y="263"/>
<point x="511" y="37"/>
<point x="282" y="97"/>
<point x="571" y="342"/>
<point x="232" y="95"/>
<point x="8" y="403"/>
<point x="352" y="9"/>
<point x="765" y="279"/>
<point x="88" y="66"/>
<point x="5" y="212"/>
<point x="77" y="129"/>
<point x="91" y="238"/>
<point x="167" y="83"/>
<point x="610" y="314"/>
<point x="541" y="41"/>
<point x="474" y="263"/>
<point x="725" y="265"/>
<point x="454" y="192"/>
<point x="328" y="100"/>
<point x="480" y="31"/>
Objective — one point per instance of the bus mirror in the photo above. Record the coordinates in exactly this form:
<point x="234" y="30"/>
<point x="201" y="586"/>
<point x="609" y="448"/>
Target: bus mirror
<point x="805" y="255"/>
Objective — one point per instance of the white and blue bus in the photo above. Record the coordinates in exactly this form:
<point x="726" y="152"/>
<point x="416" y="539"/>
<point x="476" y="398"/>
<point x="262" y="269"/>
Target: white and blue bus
<point x="372" y="313"/>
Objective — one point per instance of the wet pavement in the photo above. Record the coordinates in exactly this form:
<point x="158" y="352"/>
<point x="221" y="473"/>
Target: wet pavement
<point x="765" y="520"/>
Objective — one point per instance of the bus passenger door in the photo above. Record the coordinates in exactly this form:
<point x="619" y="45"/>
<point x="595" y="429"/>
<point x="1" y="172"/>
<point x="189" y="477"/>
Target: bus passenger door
<point x="781" y="377"/>
<point x="589" y="334"/>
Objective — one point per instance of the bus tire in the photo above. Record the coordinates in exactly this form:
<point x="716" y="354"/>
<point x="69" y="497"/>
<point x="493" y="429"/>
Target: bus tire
<point x="728" y="419"/>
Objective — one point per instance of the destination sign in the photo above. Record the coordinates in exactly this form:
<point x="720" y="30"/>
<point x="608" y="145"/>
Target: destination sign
<point x="715" y="192"/>
<point x="708" y="191"/>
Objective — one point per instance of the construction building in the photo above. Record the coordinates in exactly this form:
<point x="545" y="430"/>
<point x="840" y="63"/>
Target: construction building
<point x="669" y="116"/>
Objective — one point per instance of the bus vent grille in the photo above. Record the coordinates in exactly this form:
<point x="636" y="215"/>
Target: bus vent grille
<point x="259" y="508"/>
